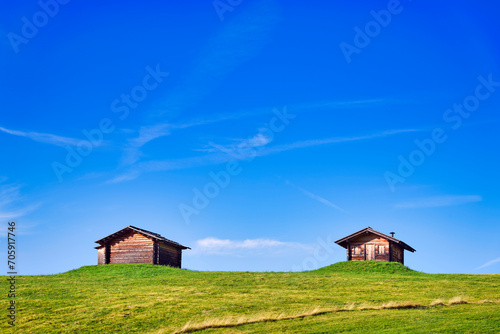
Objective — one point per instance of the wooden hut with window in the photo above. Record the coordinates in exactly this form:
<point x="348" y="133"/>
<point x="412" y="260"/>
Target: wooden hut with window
<point x="135" y="245"/>
<point x="368" y="244"/>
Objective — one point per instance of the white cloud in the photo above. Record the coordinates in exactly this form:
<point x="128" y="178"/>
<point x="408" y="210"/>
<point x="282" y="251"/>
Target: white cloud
<point x="316" y="197"/>
<point x="259" y="140"/>
<point x="240" y="247"/>
<point x="214" y="243"/>
<point x="45" y="138"/>
<point x="489" y="263"/>
<point x="439" y="201"/>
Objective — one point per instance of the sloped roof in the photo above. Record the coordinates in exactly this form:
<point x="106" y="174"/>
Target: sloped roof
<point x="343" y="242"/>
<point x="146" y="233"/>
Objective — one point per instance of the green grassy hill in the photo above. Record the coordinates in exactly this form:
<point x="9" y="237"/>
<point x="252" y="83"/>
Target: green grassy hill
<point x="354" y="297"/>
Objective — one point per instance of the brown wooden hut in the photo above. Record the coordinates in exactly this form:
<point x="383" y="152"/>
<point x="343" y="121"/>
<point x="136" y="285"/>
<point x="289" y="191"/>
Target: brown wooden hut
<point x="135" y="245"/>
<point x="368" y="244"/>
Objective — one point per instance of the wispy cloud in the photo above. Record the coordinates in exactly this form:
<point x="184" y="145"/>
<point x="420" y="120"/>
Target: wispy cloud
<point x="132" y="152"/>
<point x="248" y="33"/>
<point x="150" y="132"/>
<point x="335" y="140"/>
<point x="439" y="201"/>
<point x="257" y="145"/>
<point x="241" y="149"/>
<point x="489" y="263"/>
<point x="316" y="197"/>
<point x="12" y="203"/>
<point x="16" y="213"/>
<point x="167" y="165"/>
<point x="45" y="138"/>
<point x="237" y="41"/>
<point x="11" y="200"/>
<point x="236" y="247"/>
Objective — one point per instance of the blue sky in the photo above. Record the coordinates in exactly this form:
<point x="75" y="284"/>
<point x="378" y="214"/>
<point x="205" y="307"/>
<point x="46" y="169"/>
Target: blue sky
<point x="255" y="132"/>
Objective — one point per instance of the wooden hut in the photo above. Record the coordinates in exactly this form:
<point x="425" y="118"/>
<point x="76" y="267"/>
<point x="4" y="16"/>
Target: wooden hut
<point x="368" y="244"/>
<point x="135" y="245"/>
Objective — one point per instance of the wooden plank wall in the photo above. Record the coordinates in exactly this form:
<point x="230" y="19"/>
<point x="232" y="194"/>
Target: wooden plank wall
<point x="100" y="255"/>
<point x="169" y="255"/>
<point x="397" y="253"/>
<point x="132" y="248"/>
<point x="362" y="244"/>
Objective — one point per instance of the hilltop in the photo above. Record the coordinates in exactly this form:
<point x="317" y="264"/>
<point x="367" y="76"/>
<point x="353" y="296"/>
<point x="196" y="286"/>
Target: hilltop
<point x="346" y="296"/>
<point x="366" y="267"/>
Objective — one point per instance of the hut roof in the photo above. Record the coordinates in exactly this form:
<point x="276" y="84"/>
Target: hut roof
<point x="343" y="242"/>
<point x="146" y="233"/>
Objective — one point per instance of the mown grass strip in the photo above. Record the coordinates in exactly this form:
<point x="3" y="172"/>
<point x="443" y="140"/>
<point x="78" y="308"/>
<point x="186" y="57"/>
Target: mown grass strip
<point x="245" y="320"/>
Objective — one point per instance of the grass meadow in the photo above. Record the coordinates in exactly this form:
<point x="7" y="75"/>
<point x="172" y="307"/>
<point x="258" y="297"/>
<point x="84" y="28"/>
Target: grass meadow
<point x="353" y="297"/>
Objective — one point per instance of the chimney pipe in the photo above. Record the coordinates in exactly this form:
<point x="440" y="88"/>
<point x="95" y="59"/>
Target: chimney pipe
<point x="392" y="234"/>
